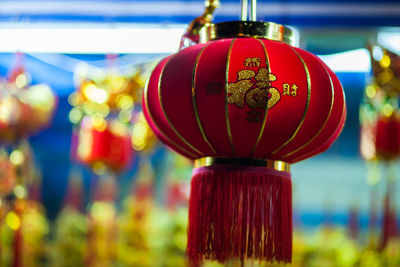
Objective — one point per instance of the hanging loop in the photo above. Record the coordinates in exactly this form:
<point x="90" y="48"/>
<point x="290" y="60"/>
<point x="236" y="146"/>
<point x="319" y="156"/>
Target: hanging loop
<point x="191" y="35"/>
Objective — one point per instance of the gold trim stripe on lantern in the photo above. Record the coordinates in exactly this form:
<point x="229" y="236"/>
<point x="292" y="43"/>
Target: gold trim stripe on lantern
<point x="160" y="134"/>
<point x="323" y="126"/>
<point x="337" y="117"/>
<point x="165" y="115"/>
<point x="228" y="125"/>
<point x="196" y="113"/>
<point x="266" y="106"/>
<point x="307" y="104"/>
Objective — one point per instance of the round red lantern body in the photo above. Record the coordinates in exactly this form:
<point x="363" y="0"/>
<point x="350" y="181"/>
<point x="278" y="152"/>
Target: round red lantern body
<point x="245" y="97"/>
<point x="243" y="108"/>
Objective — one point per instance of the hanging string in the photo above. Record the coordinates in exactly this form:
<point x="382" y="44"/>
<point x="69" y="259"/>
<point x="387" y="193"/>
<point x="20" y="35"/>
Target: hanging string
<point x="245" y="10"/>
<point x="253" y="7"/>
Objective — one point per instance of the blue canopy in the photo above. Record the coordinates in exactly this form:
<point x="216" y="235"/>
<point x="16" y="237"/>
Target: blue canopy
<point x="334" y="13"/>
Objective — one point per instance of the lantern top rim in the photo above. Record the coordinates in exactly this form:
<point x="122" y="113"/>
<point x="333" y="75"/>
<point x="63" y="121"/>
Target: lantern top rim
<point x="256" y="29"/>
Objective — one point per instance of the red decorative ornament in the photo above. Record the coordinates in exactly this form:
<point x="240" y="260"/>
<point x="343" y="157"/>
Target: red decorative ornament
<point x="243" y="104"/>
<point x="110" y="145"/>
<point x="380" y="128"/>
<point x="387" y="137"/>
<point x="24" y="110"/>
<point x="380" y="134"/>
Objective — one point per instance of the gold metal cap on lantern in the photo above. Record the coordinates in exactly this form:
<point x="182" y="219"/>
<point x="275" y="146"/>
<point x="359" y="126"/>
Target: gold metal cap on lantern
<point x="256" y="29"/>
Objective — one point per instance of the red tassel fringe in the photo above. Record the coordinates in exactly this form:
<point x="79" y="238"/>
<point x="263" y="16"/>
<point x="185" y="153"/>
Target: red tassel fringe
<point x="238" y="213"/>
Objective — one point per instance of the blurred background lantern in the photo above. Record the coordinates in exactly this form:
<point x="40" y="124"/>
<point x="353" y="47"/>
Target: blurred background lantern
<point x="104" y="104"/>
<point x="109" y="129"/>
<point x="104" y="144"/>
<point x="380" y="136"/>
<point x="25" y="110"/>
<point x="243" y="104"/>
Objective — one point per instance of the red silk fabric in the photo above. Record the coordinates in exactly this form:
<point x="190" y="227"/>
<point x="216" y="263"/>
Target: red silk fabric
<point x="245" y="97"/>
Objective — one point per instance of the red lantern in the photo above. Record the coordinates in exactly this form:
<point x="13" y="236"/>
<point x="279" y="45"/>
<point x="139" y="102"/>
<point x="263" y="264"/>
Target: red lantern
<point x="24" y="110"/>
<point x="380" y="129"/>
<point x="109" y="145"/>
<point x="387" y="139"/>
<point x="243" y="105"/>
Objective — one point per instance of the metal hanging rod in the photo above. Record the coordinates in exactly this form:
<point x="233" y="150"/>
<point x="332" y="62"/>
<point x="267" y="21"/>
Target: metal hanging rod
<point x="245" y="10"/>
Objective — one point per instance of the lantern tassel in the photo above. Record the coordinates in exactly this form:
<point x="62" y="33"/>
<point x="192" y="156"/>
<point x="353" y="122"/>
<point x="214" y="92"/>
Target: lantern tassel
<point x="240" y="212"/>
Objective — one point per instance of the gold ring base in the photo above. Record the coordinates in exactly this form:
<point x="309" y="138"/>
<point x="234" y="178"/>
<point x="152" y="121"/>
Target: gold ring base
<point x="256" y="29"/>
<point x="271" y="164"/>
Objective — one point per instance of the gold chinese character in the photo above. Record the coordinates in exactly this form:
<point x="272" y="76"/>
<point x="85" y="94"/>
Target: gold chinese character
<point x="254" y="88"/>
<point x="286" y="89"/>
<point x="252" y="62"/>
<point x="290" y="91"/>
<point x="236" y="92"/>
<point x="294" y="90"/>
<point x="257" y="98"/>
<point x="273" y="96"/>
<point x="246" y="74"/>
